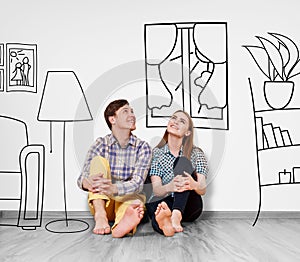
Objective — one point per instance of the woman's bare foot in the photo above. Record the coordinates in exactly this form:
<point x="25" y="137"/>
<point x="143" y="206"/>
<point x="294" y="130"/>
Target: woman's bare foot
<point x="101" y="225"/>
<point x="163" y="218"/>
<point x="176" y="219"/>
<point x="132" y="217"/>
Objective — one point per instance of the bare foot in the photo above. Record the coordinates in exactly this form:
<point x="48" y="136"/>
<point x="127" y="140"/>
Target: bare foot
<point x="101" y="225"/>
<point x="163" y="218"/>
<point x="132" y="217"/>
<point x="176" y="219"/>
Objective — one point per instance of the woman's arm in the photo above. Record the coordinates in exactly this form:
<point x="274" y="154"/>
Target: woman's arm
<point x="200" y="184"/>
<point x="159" y="189"/>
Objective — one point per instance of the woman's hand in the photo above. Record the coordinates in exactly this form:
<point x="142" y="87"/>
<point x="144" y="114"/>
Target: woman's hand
<point x="198" y="186"/>
<point x="188" y="182"/>
<point x="182" y="183"/>
<point x="179" y="183"/>
<point x="176" y="185"/>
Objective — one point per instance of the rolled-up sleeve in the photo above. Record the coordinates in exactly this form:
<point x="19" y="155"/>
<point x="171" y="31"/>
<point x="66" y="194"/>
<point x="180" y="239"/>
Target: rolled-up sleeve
<point x="155" y="169"/>
<point x="201" y="162"/>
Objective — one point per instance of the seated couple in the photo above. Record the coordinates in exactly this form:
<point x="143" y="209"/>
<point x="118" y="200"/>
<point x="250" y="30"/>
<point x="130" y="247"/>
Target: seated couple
<point x="118" y="164"/>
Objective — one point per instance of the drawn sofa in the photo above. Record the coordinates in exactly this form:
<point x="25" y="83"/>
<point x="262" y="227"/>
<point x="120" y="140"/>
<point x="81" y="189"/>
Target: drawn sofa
<point x="21" y="175"/>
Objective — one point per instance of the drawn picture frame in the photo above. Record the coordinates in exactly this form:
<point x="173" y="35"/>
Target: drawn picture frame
<point x="1" y="54"/>
<point x="1" y="80"/>
<point x="21" y="67"/>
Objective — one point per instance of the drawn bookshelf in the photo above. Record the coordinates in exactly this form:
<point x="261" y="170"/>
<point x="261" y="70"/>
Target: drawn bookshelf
<point x="277" y="148"/>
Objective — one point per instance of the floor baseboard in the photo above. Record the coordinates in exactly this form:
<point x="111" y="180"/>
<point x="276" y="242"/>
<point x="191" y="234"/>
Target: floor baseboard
<point x="248" y="214"/>
<point x="205" y="214"/>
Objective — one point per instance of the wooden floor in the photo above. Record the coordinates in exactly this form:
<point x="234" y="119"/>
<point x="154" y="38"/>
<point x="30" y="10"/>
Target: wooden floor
<point x="204" y="240"/>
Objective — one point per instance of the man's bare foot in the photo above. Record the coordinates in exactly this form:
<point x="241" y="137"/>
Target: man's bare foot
<point x="101" y="225"/>
<point x="163" y="218"/>
<point x="132" y="217"/>
<point x="176" y="219"/>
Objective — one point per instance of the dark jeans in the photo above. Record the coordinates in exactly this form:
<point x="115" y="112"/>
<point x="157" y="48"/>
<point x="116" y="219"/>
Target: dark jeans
<point x="188" y="202"/>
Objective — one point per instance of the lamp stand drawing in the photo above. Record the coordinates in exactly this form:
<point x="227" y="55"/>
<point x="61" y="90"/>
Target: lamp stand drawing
<point x="63" y="101"/>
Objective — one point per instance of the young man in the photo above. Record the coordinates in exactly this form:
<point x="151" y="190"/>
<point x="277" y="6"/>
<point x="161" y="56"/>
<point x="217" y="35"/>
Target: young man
<point x="114" y="173"/>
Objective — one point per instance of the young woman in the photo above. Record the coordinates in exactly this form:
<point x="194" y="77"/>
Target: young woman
<point x="176" y="198"/>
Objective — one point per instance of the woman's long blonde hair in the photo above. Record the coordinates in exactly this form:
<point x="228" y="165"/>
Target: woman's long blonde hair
<point x="187" y="142"/>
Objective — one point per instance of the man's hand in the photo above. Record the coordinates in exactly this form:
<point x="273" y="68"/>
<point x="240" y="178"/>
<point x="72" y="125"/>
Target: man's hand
<point x="92" y="183"/>
<point x="97" y="184"/>
<point x="107" y="188"/>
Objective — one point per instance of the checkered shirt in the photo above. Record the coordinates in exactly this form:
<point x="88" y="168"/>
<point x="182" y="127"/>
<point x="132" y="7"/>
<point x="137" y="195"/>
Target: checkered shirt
<point x="129" y="166"/>
<point x="163" y="161"/>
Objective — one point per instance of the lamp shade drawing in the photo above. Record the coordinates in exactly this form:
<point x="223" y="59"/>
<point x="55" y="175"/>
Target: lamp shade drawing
<point x="63" y="100"/>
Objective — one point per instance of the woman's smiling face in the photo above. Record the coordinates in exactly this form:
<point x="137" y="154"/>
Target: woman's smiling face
<point x="178" y="125"/>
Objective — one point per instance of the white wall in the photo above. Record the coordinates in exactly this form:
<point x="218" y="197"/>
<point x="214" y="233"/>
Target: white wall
<point x="93" y="38"/>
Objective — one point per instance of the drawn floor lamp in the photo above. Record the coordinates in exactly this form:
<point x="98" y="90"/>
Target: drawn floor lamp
<point x="63" y="100"/>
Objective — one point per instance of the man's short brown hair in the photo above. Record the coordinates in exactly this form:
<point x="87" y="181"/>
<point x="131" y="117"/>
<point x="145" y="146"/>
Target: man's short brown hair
<point x="112" y="108"/>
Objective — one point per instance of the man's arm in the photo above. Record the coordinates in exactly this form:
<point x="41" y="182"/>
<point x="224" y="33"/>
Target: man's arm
<point x="83" y="182"/>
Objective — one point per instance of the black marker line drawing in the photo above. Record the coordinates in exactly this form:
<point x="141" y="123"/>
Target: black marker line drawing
<point x="1" y="54"/>
<point x="276" y="148"/>
<point x="21" y="173"/>
<point x="62" y="86"/>
<point x="186" y="65"/>
<point x="279" y="62"/>
<point x="284" y="177"/>
<point x="21" y="67"/>
<point x="1" y="80"/>
<point x="296" y="174"/>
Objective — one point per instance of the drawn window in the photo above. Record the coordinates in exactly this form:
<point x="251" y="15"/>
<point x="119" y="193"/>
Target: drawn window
<point x="186" y="68"/>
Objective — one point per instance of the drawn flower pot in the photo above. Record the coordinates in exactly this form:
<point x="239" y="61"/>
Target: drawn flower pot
<point x="278" y="94"/>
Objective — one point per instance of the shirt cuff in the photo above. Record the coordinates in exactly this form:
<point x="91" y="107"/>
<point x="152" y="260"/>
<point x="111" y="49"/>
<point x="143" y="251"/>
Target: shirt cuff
<point x="121" y="189"/>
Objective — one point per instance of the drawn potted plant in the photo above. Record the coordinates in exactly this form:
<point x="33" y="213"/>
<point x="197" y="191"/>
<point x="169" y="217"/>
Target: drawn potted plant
<point x="279" y="62"/>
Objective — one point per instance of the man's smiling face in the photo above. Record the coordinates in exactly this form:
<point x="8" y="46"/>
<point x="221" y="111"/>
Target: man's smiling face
<point x="124" y="118"/>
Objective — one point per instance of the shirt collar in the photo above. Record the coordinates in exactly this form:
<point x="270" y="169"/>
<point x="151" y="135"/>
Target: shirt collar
<point x="112" y="140"/>
<point x="166" y="150"/>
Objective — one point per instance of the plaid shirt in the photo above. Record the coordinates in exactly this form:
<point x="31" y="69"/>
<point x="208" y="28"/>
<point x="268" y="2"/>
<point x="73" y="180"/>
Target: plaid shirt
<point x="129" y="166"/>
<point x="163" y="161"/>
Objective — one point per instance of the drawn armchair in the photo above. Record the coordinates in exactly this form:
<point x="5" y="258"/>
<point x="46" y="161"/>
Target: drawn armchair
<point x="21" y="175"/>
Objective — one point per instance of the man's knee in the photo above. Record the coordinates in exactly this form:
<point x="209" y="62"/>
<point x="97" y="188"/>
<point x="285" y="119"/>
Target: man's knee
<point x="100" y="165"/>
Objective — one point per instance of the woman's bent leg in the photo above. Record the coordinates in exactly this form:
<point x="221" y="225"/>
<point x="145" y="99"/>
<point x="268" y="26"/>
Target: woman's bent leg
<point x="180" y="201"/>
<point x="193" y="208"/>
<point x="152" y="208"/>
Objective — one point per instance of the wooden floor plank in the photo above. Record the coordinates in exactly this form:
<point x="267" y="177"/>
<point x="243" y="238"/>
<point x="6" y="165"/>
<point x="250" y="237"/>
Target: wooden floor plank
<point x="203" y="240"/>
